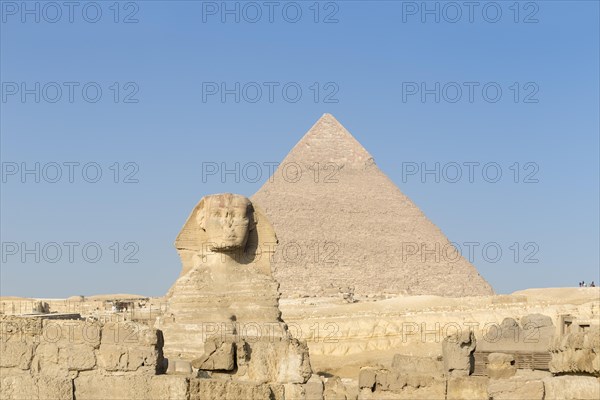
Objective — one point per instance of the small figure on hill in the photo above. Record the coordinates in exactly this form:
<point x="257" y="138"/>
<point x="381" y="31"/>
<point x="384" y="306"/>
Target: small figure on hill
<point x="592" y="284"/>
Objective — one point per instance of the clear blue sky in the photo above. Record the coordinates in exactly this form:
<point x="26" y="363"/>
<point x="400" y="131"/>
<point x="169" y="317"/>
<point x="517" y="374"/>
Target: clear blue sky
<point x="372" y="61"/>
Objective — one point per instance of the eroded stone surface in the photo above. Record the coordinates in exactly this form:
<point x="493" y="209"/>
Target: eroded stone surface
<point x="328" y="192"/>
<point x="577" y="352"/>
<point x="501" y="365"/>
<point x="225" y="287"/>
<point x="458" y="353"/>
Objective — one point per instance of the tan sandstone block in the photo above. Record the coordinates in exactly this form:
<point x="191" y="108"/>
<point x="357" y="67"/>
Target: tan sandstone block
<point x="18" y="387"/>
<point x="367" y="377"/>
<point x="314" y="388"/>
<point x="417" y="365"/>
<point x="166" y="387"/>
<point x="112" y="357"/>
<point x="27" y="387"/>
<point x="335" y="389"/>
<point x="80" y="357"/>
<point x="71" y="332"/>
<point x="515" y="389"/>
<point x="129" y="334"/>
<point x="218" y="355"/>
<point x="294" y="391"/>
<point x="467" y="388"/>
<point x="572" y="388"/>
<point x="501" y="366"/>
<point x="111" y="387"/>
<point x="212" y="389"/>
<point x="16" y="354"/>
<point x="458" y="353"/>
<point x="274" y="360"/>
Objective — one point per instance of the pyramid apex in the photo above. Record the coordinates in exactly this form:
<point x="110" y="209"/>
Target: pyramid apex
<point x="329" y="119"/>
<point x="328" y="141"/>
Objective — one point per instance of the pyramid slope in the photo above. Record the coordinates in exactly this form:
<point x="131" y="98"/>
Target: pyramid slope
<point x="341" y="222"/>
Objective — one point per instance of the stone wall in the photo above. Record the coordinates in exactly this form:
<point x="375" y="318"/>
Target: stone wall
<point x="76" y="359"/>
<point x="450" y="378"/>
<point x="48" y="358"/>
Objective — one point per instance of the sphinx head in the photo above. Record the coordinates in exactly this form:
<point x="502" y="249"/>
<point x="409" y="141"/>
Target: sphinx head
<point x="227" y="220"/>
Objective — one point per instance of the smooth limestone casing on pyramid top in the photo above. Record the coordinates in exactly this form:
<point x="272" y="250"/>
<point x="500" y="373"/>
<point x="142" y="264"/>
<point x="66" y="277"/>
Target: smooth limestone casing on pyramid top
<point x="353" y="226"/>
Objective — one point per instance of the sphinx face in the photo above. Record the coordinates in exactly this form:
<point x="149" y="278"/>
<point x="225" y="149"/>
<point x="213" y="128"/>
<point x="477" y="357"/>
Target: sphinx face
<point x="227" y="223"/>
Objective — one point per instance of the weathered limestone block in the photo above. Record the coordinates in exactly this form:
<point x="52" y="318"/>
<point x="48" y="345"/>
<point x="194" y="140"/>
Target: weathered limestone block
<point x="367" y="394"/>
<point x="467" y="388"/>
<point x="16" y="353"/>
<point x="572" y="388"/>
<point x="533" y="333"/>
<point x="20" y="329"/>
<point x="540" y="322"/>
<point x="510" y="329"/>
<point x="577" y="352"/>
<point x="64" y="333"/>
<point x="334" y="389"/>
<point x="417" y="365"/>
<point x="367" y="378"/>
<point x="18" y="387"/>
<point x="314" y="388"/>
<point x="93" y="386"/>
<point x="273" y="360"/>
<point x="458" y="353"/>
<point x="28" y="387"/>
<point x="394" y="385"/>
<point x="148" y="358"/>
<point x="212" y="389"/>
<point x="123" y="358"/>
<point x="113" y="357"/>
<point x="66" y="345"/>
<point x="166" y="387"/>
<point x="266" y="360"/>
<point x="179" y="367"/>
<point x="80" y="357"/>
<point x="130" y="347"/>
<point x="515" y="389"/>
<point x="130" y="334"/>
<point x="46" y="360"/>
<point x="501" y="365"/>
<point x="218" y="355"/>
<point x="54" y="388"/>
<point x="294" y="391"/>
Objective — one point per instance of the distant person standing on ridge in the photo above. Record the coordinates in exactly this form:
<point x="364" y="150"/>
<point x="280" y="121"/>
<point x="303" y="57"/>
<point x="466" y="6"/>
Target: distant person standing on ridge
<point x="592" y="284"/>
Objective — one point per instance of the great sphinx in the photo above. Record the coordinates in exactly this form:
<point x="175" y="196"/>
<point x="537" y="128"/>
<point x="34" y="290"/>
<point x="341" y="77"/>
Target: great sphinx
<point x="225" y="300"/>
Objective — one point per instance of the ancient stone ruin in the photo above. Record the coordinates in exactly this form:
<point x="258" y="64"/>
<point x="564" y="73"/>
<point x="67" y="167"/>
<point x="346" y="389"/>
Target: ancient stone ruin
<point x="355" y="228"/>
<point x="223" y="316"/>
<point x="381" y="322"/>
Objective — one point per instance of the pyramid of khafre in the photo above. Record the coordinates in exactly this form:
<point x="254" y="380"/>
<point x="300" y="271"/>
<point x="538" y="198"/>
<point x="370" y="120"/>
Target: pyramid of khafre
<point x="342" y="223"/>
